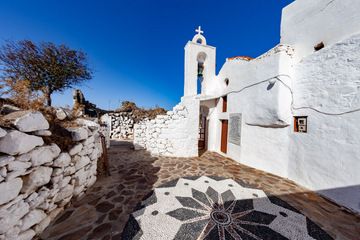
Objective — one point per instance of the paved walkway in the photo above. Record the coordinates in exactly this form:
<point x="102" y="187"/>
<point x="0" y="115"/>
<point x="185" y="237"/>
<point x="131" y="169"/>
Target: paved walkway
<point x="104" y="211"/>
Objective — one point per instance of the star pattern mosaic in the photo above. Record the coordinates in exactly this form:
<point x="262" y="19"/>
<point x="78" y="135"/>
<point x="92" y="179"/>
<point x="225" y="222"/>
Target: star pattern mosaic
<point x="216" y="208"/>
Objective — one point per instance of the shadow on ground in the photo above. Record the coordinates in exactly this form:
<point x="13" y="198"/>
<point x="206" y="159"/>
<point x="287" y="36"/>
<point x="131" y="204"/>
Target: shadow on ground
<point x="104" y="211"/>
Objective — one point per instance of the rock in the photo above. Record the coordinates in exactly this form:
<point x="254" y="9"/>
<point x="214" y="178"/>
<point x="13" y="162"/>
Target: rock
<point x="95" y="154"/>
<point x="27" y="121"/>
<point x="27" y="235"/>
<point x="60" y="114"/>
<point x="44" y="154"/>
<point x="57" y="171"/>
<point x="39" y="198"/>
<point x="47" y="205"/>
<point x="82" y="162"/>
<point x="4" y="160"/>
<point x="91" y="181"/>
<point x="32" y="218"/>
<point x="32" y="197"/>
<point x="78" y="133"/>
<point x="69" y="171"/>
<point x="65" y="192"/>
<point x="7" y="108"/>
<point x="88" y="123"/>
<point x="65" y="201"/>
<point x="11" y="215"/>
<point x="3" y="172"/>
<point x="12" y="233"/>
<point x="45" y="133"/>
<point x="78" y="190"/>
<point x="2" y="132"/>
<point x="75" y="149"/>
<point x="42" y="225"/>
<point x="63" y="160"/>
<point x="80" y="177"/>
<point x="15" y="174"/>
<point x="9" y="190"/>
<point x="89" y="141"/>
<point x="16" y="142"/>
<point x="64" y="181"/>
<point x="39" y="177"/>
<point x="24" y="157"/>
<point x="18" y="166"/>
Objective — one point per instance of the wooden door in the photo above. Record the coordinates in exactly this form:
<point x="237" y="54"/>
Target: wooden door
<point x="224" y="135"/>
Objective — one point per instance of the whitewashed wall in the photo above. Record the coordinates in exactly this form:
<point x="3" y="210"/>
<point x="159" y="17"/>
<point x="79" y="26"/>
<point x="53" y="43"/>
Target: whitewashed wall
<point x="265" y="108"/>
<point x="327" y="158"/>
<point x="306" y="23"/>
<point x="173" y="134"/>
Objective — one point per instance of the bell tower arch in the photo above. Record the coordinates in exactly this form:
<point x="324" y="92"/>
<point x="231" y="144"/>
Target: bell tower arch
<point x="199" y="65"/>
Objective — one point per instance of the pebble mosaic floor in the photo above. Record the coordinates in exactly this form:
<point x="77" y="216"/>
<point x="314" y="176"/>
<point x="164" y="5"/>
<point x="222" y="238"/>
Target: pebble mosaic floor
<point x="209" y="197"/>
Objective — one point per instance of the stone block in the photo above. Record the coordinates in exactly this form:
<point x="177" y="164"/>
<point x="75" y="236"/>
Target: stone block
<point x="45" y="154"/>
<point x="39" y="198"/>
<point x="18" y="166"/>
<point x="27" y="235"/>
<point x="78" y="133"/>
<point x="65" y="192"/>
<point x="15" y="174"/>
<point x="33" y="217"/>
<point x="16" y="142"/>
<point x="3" y="172"/>
<point x="27" y="121"/>
<point x="61" y="114"/>
<point x="82" y="162"/>
<point x="10" y="216"/>
<point x="75" y="149"/>
<point x="10" y="189"/>
<point x="80" y="177"/>
<point x="62" y="160"/>
<point x="4" y="160"/>
<point x="39" y="177"/>
<point x="69" y="170"/>
<point x="2" y="132"/>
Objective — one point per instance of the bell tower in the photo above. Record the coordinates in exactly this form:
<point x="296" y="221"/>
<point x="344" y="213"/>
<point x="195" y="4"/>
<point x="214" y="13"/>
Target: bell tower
<point x="199" y="65"/>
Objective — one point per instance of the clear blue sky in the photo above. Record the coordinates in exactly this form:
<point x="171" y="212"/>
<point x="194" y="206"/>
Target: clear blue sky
<point x="136" y="47"/>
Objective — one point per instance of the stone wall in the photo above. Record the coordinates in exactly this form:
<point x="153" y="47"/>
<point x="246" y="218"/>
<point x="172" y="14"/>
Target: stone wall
<point x="122" y="125"/>
<point x="173" y="134"/>
<point x="38" y="180"/>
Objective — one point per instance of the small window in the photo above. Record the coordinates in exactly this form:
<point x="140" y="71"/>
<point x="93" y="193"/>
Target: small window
<point x="319" y="46"/>
<point x="199" y="41"/>
<point x="300" y="124"/>
<point x="226" y="81"/>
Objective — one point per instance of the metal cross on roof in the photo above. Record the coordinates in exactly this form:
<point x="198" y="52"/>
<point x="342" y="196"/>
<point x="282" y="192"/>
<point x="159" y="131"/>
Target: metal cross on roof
<point x="199" y="30"/>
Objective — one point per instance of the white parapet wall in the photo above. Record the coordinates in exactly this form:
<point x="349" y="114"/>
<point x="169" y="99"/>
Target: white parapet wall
<point x="173" y="134"/>
<point x="38" y="180"/>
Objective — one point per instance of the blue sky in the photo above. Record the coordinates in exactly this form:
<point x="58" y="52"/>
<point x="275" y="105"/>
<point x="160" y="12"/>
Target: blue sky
<point x="136" y="47"/>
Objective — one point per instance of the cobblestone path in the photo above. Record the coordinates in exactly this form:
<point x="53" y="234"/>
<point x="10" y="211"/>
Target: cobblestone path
<point x="104" y="211"/>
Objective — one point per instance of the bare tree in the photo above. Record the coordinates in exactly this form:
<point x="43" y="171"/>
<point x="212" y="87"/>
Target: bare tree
<point x="46" y="67"/>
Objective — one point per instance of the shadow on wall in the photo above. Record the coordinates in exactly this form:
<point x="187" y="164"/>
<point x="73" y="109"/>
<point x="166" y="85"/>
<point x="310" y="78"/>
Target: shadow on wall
<point x="105" y="208"/>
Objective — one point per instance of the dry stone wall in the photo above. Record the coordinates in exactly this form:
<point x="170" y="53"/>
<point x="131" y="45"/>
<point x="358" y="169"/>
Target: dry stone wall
<point x="122" y="125"/>
<point x="36" y="180"/>
<point x="173" y="134"/>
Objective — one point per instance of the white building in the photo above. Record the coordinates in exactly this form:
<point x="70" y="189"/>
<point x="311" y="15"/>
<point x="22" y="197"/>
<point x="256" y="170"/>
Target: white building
<point x="293" y="111"/>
